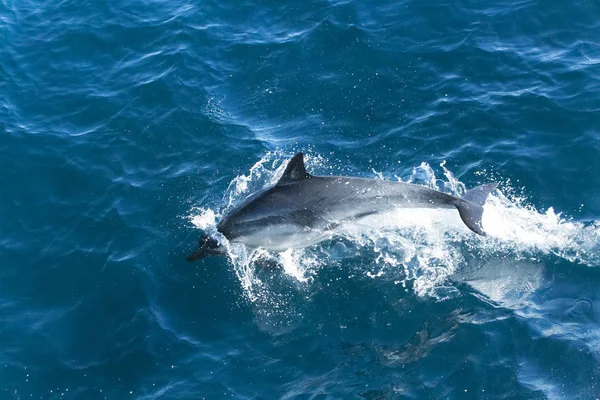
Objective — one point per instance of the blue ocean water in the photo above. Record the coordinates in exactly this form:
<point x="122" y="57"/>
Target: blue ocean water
<point x="128" y="128"/>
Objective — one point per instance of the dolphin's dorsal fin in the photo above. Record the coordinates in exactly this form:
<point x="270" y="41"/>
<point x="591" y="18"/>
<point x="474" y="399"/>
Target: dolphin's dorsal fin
<point x="295" y="170"/>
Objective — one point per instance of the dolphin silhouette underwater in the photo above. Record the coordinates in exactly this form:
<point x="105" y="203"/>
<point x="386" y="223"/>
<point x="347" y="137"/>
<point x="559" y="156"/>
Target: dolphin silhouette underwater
<point x="301" y="210"/>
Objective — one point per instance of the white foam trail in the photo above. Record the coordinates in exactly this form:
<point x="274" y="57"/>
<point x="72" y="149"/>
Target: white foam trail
<point x="419" y="249"/>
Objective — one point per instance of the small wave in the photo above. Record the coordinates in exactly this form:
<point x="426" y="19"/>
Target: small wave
<point x="419" y="249"/>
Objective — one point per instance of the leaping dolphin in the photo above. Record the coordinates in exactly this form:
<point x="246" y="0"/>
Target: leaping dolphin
<point x="303" y="209"/>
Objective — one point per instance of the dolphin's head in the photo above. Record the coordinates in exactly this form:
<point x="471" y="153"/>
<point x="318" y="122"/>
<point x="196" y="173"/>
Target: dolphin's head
<point x="237" y="221"/>
<point x="207" y="246"/>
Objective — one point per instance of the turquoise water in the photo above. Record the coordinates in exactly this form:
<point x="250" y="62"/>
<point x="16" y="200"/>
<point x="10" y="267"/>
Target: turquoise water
<point x="128" y="128"/>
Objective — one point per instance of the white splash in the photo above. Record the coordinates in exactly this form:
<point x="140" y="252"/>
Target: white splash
<point x="204" y="218"/>
<point x="297" y="265"/>
<point x="420" y="249"/>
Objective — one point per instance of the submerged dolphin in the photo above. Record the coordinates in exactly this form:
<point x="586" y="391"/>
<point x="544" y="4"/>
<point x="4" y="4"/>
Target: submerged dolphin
<point x="302" y="209"/>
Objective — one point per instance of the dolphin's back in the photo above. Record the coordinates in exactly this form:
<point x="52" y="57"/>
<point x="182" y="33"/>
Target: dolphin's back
<point x="322" y="202"/>
<point x="348" y="198"/>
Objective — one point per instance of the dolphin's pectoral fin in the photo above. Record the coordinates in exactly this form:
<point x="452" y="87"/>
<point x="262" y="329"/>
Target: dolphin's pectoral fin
<point x="295" y="170"/>
<point x="207" y="246"/>
<point x="470" y="207"/>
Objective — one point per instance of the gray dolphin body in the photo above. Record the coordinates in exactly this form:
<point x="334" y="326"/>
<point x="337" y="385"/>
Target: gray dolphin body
<point x="302" y="209"/>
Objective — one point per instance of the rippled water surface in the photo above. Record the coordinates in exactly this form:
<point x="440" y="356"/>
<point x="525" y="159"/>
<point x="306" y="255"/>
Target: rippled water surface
<point x="129" y="128"/>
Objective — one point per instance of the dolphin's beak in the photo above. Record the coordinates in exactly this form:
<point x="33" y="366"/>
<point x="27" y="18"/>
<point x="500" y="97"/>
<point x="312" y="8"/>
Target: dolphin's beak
<point x="207" y="246"/>
<point x="196" y="255"/>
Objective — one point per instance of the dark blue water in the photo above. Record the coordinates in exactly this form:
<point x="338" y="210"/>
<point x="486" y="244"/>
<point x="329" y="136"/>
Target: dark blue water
<point x="126" y="126"/>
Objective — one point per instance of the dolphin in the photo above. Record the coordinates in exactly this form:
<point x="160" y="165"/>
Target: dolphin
<point x="301" y="210"/>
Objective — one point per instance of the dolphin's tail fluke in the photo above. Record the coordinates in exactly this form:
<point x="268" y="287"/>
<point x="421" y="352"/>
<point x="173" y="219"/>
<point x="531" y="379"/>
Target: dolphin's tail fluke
<point x="470" y="206"/>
